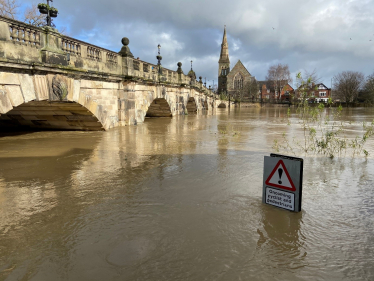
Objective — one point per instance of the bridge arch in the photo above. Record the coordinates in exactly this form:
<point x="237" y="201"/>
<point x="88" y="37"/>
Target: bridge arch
<point x="47" y="115"/>
<point x="205" y="105"/>
<point x="55" y="102"/>
<point x="159" y="108"/>
<point x="222" y="105"/>
<point x="191" y="106"/>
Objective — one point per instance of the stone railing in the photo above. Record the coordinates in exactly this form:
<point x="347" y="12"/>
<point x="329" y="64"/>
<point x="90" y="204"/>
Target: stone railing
<point x="24" y="34"/>
<point x="20" y="41"/>
<point x="149" y="71"/>
<point x="23" y="42"/>
<point x="93" y="53"/>
<point x="71" y="46"/>
<point x="90" y="57"/>
<point x="112" y="57"/>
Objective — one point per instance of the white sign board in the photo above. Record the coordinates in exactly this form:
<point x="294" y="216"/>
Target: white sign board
<point x="282" y="199"/>
<point x="282" y="185"/>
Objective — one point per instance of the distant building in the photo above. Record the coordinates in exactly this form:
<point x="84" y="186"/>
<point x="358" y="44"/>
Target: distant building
<point x="287" y="93"/>
<point x="322" y="93"/>
<point x="268" y="93"/>
<point x="233" y="81"/>
<point x="318" y="93"/>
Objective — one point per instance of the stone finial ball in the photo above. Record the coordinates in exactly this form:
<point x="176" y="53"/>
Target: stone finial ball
<point x="179" y="64"/>
<point x="200" y="77"/>
<point x="125" y="41"/>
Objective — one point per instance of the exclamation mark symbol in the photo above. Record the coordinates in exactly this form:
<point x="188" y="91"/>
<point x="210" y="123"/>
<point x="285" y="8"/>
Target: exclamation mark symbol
<point x="280" y="172"/>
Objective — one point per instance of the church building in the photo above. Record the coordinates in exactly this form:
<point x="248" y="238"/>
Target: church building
<point x="230" y="81"/>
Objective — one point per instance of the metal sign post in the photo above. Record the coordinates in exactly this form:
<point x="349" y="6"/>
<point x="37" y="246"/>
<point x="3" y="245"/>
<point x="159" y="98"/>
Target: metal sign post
<point x="283" y="181"/>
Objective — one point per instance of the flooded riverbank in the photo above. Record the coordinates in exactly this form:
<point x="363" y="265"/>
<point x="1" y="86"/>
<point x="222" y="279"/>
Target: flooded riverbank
<point x="180" y="199"/>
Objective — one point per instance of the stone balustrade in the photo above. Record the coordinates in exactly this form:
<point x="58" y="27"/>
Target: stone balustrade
<point x="44" y="45"/>
<point x="71" y="46"/>
<point x="112" y="57"/>
<point x="24" y="34"/>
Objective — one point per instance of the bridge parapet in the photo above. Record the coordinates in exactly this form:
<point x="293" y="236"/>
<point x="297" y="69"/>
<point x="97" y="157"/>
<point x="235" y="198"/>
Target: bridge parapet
<point x="48" y="80"/>
<point x="20" y="41"/>
<point x="80" y="54"/>
<point x="27" y="43"/>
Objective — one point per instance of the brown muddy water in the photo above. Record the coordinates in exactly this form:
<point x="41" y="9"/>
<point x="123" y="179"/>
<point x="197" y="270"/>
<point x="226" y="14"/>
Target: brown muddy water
<point x="180" y="199"/>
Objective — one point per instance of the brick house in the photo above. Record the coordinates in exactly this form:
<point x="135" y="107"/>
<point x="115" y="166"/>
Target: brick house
<point x="318" y="93"/>
<point x="322" y="93"/>
<point x="268" y="93"/>
<point x="287" y="93"/>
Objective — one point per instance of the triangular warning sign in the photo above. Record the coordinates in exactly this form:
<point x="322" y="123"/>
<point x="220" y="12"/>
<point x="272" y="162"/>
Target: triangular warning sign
<point x="280" y="178"/>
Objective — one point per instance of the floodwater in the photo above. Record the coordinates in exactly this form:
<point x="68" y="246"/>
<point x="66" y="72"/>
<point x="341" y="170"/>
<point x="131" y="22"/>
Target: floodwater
<point x="180" y="199"/>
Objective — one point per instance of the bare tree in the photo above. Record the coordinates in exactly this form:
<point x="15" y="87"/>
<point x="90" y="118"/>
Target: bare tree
<point x="368" y="91"/>
<point x="8" y="8"/>
<point x="33" y="17"/>
<point x="312" y="76"/>
<point x="252" y="89"/>
<point x="347" y="85"/>
<point x="238" y="94"/>
<point x="279" y="75"/>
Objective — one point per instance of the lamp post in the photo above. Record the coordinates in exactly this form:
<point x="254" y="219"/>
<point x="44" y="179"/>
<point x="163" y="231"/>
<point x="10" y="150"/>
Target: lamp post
<point x="49" y="20"/>
<point x="159" y="58"/>
<point x="192" y="76"/>
<point x="51" y="12"/>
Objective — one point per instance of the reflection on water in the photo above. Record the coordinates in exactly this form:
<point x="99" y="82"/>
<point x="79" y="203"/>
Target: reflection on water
<point x="179" y="199"/>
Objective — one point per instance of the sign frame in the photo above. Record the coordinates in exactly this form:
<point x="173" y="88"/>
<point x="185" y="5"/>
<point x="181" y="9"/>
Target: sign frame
<point x="293" y="168"/>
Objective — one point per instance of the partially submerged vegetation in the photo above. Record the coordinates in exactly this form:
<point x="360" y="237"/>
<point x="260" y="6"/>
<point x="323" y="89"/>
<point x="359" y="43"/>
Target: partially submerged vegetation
<point x="323" y="130"/>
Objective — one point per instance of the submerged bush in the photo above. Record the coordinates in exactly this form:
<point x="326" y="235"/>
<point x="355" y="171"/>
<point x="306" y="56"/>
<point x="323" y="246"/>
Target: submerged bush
<point x="323" y="130"/>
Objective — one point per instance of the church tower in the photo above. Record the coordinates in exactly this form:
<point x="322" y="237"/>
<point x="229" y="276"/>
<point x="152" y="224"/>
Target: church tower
<point x="223" y="64"/>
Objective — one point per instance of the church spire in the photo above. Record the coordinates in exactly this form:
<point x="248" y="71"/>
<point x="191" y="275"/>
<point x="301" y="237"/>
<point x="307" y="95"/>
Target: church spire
<point x="223" y="64"/>
<point x="224" y="57"/>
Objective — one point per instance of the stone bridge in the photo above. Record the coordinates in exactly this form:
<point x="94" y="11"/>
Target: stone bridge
<point x="51" y="81"/>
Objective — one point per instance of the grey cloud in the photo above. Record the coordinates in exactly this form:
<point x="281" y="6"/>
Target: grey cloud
<point x="307" y="34"/>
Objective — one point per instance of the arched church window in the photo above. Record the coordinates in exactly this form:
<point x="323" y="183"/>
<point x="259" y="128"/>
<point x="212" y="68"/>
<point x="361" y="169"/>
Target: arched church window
<point x="238" y="82"/>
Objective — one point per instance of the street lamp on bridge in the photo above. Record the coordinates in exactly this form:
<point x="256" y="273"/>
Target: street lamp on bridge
<point x="51" y="12"/>
<point x="159" y="58"/>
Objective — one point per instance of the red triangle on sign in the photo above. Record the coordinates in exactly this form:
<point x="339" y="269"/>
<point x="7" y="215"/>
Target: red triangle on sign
<point x="280" y="178"/>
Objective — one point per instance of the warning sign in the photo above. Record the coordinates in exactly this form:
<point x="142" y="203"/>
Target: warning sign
<point x="280" y="178"/>
<point x="281" y="199"/>
<point x="283" y="182"/>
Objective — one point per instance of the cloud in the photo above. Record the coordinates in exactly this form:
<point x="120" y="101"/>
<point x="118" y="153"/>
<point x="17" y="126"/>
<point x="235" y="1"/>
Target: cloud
<point x="308" y="34"/>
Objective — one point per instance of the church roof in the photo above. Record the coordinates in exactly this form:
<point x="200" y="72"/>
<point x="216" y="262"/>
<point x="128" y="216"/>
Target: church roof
<point x="239" y="66"/>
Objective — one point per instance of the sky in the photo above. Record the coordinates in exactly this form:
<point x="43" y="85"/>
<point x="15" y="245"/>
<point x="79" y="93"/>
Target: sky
<point x="327" y="37"/>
